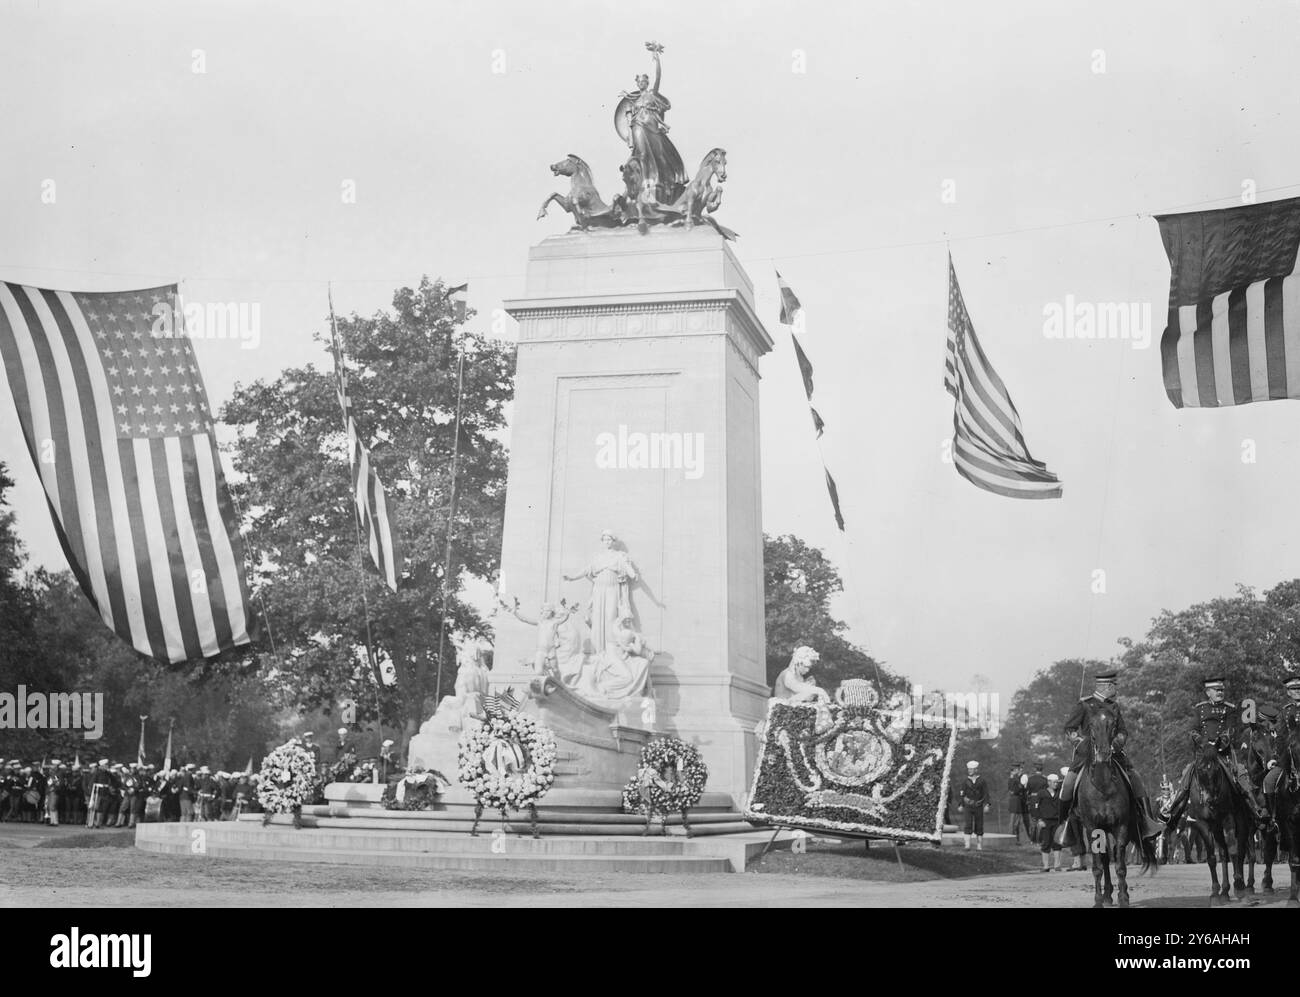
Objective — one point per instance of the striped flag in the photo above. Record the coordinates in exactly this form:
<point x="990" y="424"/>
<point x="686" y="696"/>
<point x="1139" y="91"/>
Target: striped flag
<point x="117" y="423"/>
<point x="790" y="307"/>
<point x="989" y="448"/>
<point x="369" y="499"/>
<point x="1234" y="305"/>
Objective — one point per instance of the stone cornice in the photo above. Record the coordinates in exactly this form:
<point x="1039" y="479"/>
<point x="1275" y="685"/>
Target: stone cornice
<point x="643" y="315"/>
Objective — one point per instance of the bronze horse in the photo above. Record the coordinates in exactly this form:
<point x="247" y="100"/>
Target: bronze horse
<point x="1220" y="818"/>
<point x="1288" y="810"/>
<point x="584" y="201"/>
<point x="1106" y="810"/>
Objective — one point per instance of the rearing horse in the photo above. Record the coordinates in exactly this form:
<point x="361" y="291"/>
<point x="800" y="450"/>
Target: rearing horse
<point x="1218" y="815"/>
<point x="584" y="201"/>
<point x="1106" y="810"/>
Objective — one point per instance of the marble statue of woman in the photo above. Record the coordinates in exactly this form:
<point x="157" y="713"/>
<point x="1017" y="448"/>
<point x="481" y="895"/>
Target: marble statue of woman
<point x="611" y="572"/>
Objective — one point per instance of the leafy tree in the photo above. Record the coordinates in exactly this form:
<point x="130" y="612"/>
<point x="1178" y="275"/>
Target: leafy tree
<point x="1035" y="725"/>
<point x="798" y="582"/>
<point x="294" y="484"/>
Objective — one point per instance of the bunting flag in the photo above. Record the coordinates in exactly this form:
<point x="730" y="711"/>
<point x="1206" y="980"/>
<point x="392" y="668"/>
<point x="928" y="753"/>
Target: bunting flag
<point x="139" y="751"/>
<point x="835" y="498"/>
<point x="459" y="298"/>
<point x="116" y="419"/>
<point x="1234" y="305"/>
<point x="989" y="448"/>
<point x="369" y="499"/>
<point x="790" y="306"/>
<point x="791" y="311"/>
<point x="167" y="756"/>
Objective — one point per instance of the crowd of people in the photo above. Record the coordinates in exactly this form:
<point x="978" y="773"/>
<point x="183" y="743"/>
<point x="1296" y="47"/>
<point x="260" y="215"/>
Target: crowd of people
<point x="115" y="794"/>
<point x="109" y="794"/>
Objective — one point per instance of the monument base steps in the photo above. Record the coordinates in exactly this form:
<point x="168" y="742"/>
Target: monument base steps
<point x="581" y="831"/>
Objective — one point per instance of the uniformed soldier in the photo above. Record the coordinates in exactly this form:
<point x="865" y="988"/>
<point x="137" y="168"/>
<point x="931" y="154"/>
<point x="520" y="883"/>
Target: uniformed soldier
<point x="973" y="797"/>
<point x="101" y="788"/>
<point x="53" y="793"/>
<point x="129" y="787"/>
<point x="74" y="809"/>
<point x="1076" y="728"/>
<point x="1217" y="720"/>
<point x="185" y="790"/>
<point x="206" y="787"/>
<point x="114" y="795"/>
<point x="1288" y="720"/>
<point x="241" y="791"/>
<point x="140" y="797"/>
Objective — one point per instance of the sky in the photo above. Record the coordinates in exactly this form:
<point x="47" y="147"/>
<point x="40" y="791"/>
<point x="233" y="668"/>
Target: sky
<point x="217" y="143"/>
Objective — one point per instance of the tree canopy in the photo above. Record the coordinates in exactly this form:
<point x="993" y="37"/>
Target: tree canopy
<point x="293" y="482"/>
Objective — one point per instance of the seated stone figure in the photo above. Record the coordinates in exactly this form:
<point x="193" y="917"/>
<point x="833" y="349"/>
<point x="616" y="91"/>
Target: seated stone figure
<point x="794" y="684"/>
<point x="623" y="671"/>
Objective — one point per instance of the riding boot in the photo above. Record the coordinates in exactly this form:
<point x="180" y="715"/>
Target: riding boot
<point x="1151" y="828"/>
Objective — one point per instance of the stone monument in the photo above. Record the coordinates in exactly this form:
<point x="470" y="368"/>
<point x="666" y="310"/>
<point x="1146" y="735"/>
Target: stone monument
<point x="636" y="413"/>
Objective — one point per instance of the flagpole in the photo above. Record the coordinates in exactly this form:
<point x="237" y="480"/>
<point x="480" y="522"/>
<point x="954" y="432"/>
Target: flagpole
<point x="451" y="514"/>
<point x="179" y="318"/>
<point x="356" y="522"/>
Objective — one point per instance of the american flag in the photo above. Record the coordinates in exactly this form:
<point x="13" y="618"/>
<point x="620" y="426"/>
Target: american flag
<point x="1234" y="305"/>
<point x="989" y="448"/>
<point x="116" y="420"/>
<point x="369" y="499"/>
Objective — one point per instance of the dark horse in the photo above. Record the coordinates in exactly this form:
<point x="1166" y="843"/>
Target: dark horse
<point x="1218" y="814"/>
<point x="1259" y="749"/>
<point x="1106" y="809"/>
<point x="1288" y="810"/>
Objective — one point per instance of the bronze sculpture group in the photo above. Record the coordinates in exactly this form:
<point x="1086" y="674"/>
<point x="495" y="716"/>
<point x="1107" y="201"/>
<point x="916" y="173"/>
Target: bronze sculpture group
<point x="656" y="189"/>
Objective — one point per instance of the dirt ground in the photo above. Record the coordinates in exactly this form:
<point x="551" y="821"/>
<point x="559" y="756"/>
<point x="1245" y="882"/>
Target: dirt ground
<point x="69" y="867"/>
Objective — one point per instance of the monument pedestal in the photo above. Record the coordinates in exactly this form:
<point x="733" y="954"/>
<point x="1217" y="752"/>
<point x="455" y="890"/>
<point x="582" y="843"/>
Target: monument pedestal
<point x="636" y="411"/>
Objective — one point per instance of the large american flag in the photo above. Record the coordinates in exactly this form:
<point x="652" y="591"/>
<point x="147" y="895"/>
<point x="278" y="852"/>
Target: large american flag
<point x="369" y="499"/>
<point x="989" y="447"/>
<point x="1234" y="305"/>
<point x="117" y="423"/>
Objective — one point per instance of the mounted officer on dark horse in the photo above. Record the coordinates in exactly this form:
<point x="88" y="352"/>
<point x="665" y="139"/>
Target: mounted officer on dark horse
<point x="1217" y="723"/>
<point x="1106" y="791"/>
<point x="1282" y="784"/>
<point x="1217" y="791"/>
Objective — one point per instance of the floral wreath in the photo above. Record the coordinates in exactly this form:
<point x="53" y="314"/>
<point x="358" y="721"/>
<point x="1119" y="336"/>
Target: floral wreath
<point x="288" y="779"/>
<point x="649" y="792"/>
<point x="507" y="761"/>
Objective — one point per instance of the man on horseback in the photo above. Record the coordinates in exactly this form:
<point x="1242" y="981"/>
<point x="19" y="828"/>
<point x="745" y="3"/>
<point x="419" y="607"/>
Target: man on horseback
<point x="1217" y="721"/>
<point x="1103" y="700"/>
<point x="1288" y="719"/>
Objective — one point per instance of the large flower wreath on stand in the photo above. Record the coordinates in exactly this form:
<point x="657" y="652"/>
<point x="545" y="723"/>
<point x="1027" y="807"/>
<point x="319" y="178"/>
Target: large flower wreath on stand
<point x="670" y="780"/>
<point x="288" y="781"/>
<point x="507" y="762"/>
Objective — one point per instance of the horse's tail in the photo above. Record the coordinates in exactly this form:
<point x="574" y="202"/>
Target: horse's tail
<point x="1150" y="861"/>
